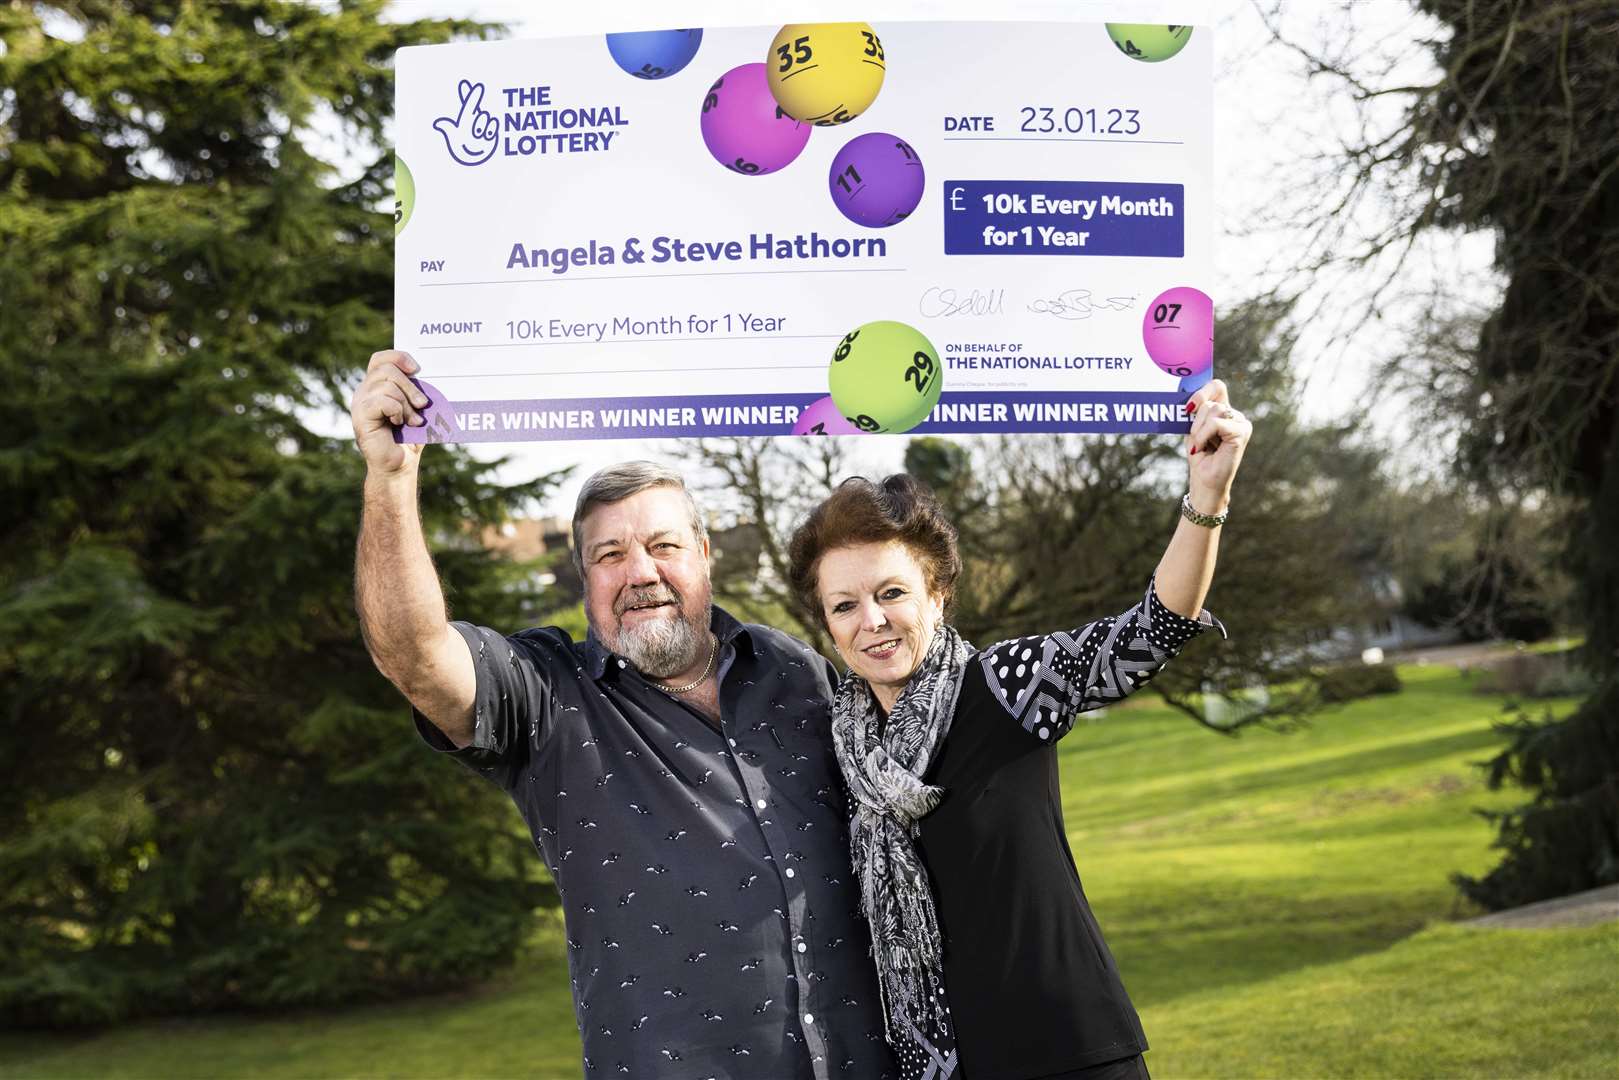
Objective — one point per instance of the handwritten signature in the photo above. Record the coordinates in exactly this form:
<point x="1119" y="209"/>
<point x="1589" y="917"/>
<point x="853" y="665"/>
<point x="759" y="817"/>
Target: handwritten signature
<point x="1080" y="304"/>
<point x="941" y="302"/>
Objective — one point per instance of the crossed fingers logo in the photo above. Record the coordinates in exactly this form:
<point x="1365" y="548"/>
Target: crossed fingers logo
<point x="473" y="134"/>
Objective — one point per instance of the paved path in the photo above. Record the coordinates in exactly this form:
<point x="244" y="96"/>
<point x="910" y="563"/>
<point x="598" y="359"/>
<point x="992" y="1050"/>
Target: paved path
<point x="1469" y="655"/>
<point x="1581" y="909"/>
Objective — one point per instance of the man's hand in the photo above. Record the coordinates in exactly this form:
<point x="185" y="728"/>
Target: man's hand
<point x="386" y="400"/>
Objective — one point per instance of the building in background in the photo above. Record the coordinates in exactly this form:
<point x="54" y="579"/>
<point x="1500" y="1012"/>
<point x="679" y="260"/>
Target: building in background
<point x="547" y="538"/>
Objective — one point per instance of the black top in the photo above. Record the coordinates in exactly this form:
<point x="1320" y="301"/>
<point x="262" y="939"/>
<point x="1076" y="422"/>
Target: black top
<point x="1033" y="990"/>
<point x="710" y="909"/>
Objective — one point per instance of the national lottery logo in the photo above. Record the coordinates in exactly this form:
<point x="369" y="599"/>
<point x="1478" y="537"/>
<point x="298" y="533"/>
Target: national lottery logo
<point x="527" y="122"/>
<point x="473" y="134"/>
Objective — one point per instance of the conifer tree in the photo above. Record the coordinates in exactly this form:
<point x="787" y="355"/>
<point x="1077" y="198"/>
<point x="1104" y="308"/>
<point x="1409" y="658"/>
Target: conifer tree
<point x="1515" y="136"/>
<point x="1520" y="136"/>
<point x="208" y="798"/>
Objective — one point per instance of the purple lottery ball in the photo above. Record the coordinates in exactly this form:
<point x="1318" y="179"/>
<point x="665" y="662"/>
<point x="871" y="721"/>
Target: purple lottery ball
<point x="1179" y="331"/>
<point x="824" y="418"/>
<point x="876" y="179"/>
<point x="745" y="129"/>
<point x="440" y="425"/>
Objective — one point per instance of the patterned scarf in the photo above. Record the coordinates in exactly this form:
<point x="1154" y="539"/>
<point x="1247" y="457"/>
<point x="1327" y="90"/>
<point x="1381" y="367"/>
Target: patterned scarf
<point x="883" y="764"/>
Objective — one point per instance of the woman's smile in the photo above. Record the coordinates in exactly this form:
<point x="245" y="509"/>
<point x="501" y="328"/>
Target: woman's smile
<point x="883" y="649"/>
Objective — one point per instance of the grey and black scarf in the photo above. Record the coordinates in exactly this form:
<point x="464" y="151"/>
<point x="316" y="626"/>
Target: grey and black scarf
<point x="883" y="763"/>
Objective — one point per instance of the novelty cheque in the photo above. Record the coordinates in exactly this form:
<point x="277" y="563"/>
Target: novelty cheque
<point x="816" y="229"/>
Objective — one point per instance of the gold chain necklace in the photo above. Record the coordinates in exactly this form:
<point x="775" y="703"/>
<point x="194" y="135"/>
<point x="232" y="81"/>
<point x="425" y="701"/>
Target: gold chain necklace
<point x="713" y="651"/>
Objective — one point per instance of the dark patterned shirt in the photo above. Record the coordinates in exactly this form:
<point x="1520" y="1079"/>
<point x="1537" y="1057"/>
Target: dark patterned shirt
<point x="704" y="872"/>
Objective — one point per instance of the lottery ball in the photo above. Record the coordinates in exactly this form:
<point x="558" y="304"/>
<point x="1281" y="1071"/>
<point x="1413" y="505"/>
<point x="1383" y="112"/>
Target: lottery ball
<point x="1147" y="42"/>
<point x="826" y="73"/>
<point x="654" y="54"/>
<point x="1191" y="384"/>
<point x="438" y="419"/>
<point x="876" y="179"/>
<point x="1179" y="331"/>
<point x="823" y="418"/>
<point x="744" y="128"/>
<point x="885" y="376"/>
<point x="404" y="194"/>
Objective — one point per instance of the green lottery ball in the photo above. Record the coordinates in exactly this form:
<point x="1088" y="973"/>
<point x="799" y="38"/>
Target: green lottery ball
<point x="1147" y="42"/>
<point x="885" y="377"/>
<point x="404" y="194"/>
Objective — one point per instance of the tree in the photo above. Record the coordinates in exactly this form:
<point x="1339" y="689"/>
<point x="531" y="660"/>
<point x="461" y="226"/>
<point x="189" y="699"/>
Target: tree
<point x="1078" y="524"/>
<point x="208" y="798"/>
<point x="1490" y="572"/>
<point x="1515" y="135"/>
<point x="1055" y="530"/>
<point x="763" y="488"/>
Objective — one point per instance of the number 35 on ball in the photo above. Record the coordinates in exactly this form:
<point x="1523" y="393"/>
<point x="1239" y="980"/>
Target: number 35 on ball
<point x="885" y="377"/>
<point x="826" y="73"/>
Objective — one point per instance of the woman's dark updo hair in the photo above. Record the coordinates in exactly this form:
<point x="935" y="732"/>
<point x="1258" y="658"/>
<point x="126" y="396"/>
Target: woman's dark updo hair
<point x="861" y="512"/>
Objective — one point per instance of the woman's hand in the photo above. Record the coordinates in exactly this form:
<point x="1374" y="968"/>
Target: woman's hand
<point x="1218" y="438"/>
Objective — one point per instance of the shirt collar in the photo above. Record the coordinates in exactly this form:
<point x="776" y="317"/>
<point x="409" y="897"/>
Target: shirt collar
<point x="724" y="625"/>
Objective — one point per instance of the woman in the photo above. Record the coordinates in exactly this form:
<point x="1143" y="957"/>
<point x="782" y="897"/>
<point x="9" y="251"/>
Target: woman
<point x="990" y="961"/>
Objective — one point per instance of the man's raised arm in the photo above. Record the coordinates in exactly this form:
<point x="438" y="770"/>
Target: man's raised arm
<point x="396" y="589"/>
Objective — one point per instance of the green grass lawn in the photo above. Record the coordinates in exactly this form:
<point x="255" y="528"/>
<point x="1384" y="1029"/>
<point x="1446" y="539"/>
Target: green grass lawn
<point x="1277" y="903"/>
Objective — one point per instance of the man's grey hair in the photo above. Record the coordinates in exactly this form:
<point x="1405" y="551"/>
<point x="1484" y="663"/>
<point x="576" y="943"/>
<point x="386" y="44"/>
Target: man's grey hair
<point x="617" y="483"/>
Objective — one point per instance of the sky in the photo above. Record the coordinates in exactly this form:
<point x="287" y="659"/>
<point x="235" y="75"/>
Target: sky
<point x="1271" y="123"/>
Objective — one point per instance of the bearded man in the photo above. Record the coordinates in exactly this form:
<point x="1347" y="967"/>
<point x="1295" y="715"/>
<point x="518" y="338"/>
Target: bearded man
<point x="674" y="769"/>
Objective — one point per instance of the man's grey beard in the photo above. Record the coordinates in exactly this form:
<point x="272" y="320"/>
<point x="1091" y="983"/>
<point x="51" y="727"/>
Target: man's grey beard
<point x="661" y="648"/>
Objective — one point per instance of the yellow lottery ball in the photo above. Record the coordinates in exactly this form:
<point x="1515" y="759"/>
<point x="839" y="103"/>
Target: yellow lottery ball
<point x="825" y="73"/>
<point x="885" y="376"/>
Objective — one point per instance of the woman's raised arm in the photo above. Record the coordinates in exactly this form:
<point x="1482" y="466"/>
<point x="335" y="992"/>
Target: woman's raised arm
<point x="1215" y="446"/>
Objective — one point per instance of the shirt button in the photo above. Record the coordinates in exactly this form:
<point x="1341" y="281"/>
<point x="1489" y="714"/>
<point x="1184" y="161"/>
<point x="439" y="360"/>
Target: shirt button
<point x="789" y="871"/>
<point x="809" y="1018"/>
<point x="733" y="742"/>
<point x="760" y="804"/>
<point x="622" y="664"/>
<point x="803" y="947"/>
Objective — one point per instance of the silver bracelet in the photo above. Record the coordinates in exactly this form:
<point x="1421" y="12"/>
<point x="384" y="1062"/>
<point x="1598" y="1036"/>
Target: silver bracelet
<point x="1208" y="521"/>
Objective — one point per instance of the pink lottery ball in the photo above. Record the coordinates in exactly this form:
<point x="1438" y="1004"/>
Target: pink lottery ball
<point x="745" y="129"/>
<point x="1179" y="331"/>
<point x="824" y="418"/>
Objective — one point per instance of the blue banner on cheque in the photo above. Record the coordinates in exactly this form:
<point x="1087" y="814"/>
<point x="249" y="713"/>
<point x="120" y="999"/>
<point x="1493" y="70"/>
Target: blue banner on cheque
<point x="1054" y="217"/>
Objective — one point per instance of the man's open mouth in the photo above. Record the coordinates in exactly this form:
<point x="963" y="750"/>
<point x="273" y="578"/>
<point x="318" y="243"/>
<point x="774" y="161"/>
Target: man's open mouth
<point x="646" y="605"/>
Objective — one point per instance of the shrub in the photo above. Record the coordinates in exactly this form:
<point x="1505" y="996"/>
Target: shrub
<point x="1536" y="675"/>
<point x="1349" y="683"/>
